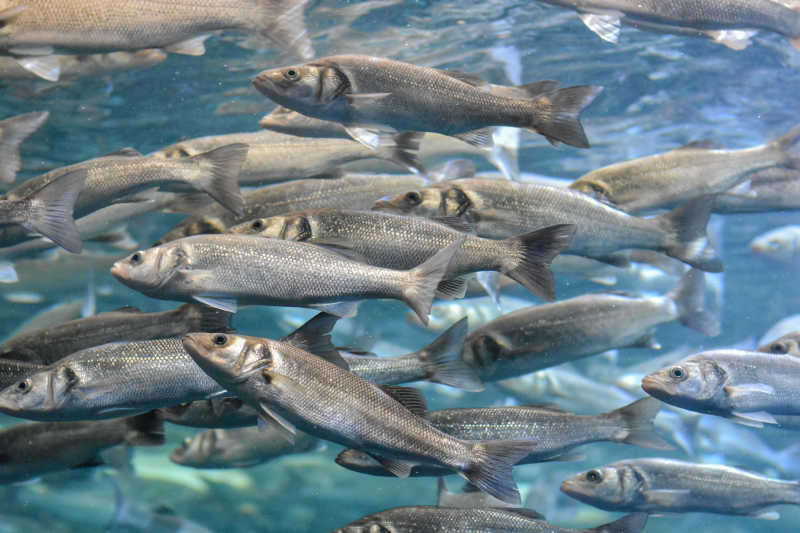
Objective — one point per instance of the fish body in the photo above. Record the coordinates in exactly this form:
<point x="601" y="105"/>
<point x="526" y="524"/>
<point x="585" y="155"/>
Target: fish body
<point x="538" y="337"/>
<point x="499" y="209"/>
<point x="223" y="270"/>
<point x="657" y="485"/>
<point x="668" y="179"/>
<point x="298" y="389"/>
<point x="238" y="447"/>
<point x="780" y="244"/>
<point x="48" y="345"/>
<point x="400" y="243"/>
<point x="363" y="91"/>
<point x="32" y="449"/>
<point x="433" y="519"/>
<point x="770" y="189"/>
<point x="108" y="381"/>
<point x="349" y="192"/>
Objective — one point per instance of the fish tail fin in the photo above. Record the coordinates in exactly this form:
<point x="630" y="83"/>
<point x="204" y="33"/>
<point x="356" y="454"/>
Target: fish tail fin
<point x="424" y="280"/>
<point x="14" y="131"/>
<point x="443" y="363"/>
<point x="490" y="468"/>
<point x="535" y="251"/>
<point x="205" y="318"/>
<point x="789" y="146"/>
<point x="689" y="296"/>
<point x="636" y="424"/>
<point x="561" y="122"/>
<point x="145" y="430"/>
<point x="221" y="183"/>
<point x="51" y="210"/>
<point x="284" y="23"/>
<point x="687" y="240"/>
<point x="403" y="150"/>
<point x="631" y="523"/>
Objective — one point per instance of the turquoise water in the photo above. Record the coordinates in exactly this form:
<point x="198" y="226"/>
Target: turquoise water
<point x="661" y="91"/>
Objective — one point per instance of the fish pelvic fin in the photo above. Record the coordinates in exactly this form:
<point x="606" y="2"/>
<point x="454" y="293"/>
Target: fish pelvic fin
<point x="535" y="251"/>
<point x="145" y="430"/>
<point x="687" y="239"/>
<point x="221" y="181"/>
<point x="558" y="118"/>
<point x="636" y="424"/>
<point x="51" y="210"/>
<point x="631" y="523"/>
<point x="689" y="296"/>
<point x="420" y="290"/>
<point x="14" y="131"/>
<point x="490" y="468"/>
<point x="442" y="359"/>
<point x="403" y="150"/>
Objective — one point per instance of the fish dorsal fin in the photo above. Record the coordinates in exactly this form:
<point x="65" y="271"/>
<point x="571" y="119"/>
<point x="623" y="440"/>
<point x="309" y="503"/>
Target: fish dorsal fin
<point x="524" y="512"/>
<point x="457" y="223"/>
<point x="548" y="407"/>
<point x="411" y="398"/>
<point x="469" y="79"/>
<point x="314" y="337"/>
<point x="123" y="152"/>
<point x="702" y="144"/>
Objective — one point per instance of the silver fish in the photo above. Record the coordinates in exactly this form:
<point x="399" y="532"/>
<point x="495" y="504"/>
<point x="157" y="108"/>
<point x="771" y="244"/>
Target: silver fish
<point x="538" y="337"/>
<point x="32" y="449"/>
<point x="297" y="389"/>
<point x="780" y="244"/>
<point x="224" y="270"/>
<point x="13" y="132"/>
<point x="771" y="189"/>
<point x="500" y="209"/>
<point x="665" y="180"/>
<point x="370" y="95"/>
<point x="670" y="486"/>
<point x="747" y="387"/>
<point x="238" y="447"/>
<point x="786" y="344"/>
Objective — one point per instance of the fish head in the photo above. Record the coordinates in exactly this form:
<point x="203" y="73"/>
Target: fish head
<point x="195" y="451"/>
<point x="177" y="151"/>
<point x="483" y="351"/>
<point x="40" y="393"/>
<point x="357" y="460"/>
<point x="691" y="383"/>
<point x="782" y="244"/>
<point x="784" y="345"/>
<point x="421" y="202"/>
<point x="594" y="187"/>
<point x="303" y="87"/>
<point x="226" y="357"/>
<point x="285" y="227"/>
<point x="606" y="487"/>
<point x="147" y="270"/>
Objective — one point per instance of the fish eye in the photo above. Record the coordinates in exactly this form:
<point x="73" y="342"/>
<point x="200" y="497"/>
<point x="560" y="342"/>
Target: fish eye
<point x="778" y="347"/>
<point x="220" y="339"/>
<point x="291" y="74"/>
<point x="413" y="198"/>
<point x="677" y="373"/>
<point x="136" y="258"/>
<point x="24" y="386"/>
<point x="257" y="225"/>
<point x="593" y="476"/>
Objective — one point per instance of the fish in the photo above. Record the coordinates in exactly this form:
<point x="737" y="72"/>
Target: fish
<point x="656" y="485"/>
<point x="557" y="431"/>
<point x="786" y="344"/>
<point x="13" y="132"/>
<point x="348" y="192"/>
<point x="223" y="413"/>
<point x="438" y="362"/>
<point x="47" y="210"/>
<point x="73" y="67"/>
<point x="223" y="271"/>
<point x="697" y="169"/>
<point x="108" y="381"/>
<point x="275" y="157"/>
<point x="49" y="345"/>
<point x="499" y="209"/>
<point x="780" y="244"/>
<point x="38" y="29"/>
<point x="464" y="520"/>
<point x="372" y="96"/>
<point x="238" y="447"/>
<point x="32" y="449"/>
<point x="718" y="20"/>
<point x="542" y="336"/>
<point x="746" y="387"/>
<point x="398" y="242"/>
<point x="124" y="173"/>
<point x="770" y="189"/>
<point x="298" y="390"/>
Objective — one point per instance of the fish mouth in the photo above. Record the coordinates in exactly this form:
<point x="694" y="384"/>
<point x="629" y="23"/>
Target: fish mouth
<point x="651" y="384"/>
<point x="191" y="344"/>
<point x="117" y="270"/>
<point x="263" y="83"/>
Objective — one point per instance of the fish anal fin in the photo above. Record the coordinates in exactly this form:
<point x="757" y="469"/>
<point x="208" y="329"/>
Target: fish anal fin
<point x="224" y="304"/>
<point x="481" y="138"/>
<point x="190" y="47"/>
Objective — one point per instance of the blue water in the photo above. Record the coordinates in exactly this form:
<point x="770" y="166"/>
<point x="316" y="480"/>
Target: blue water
<point x="661" y="91"/>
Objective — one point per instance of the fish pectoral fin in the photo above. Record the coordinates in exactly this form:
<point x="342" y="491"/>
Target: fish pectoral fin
<point x="340" y="309"/>
<point x="46" y="67"/>
<point x="733" y="39"/>
<point x="372" y="138"/>
<point x="607" y="27"/>
<point x="411" y="398"/>
<point x="482" y="138"/>
<point x="268" y="415"/>
<point x="754" y="418"/>
<point x="748" y="389"/>
<point x="766" y="515"/>
<point x="224" y="304"/>
<point x="190" y="47"/>
<point x="666" y="497"/>
<point x="401" y="469"/>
